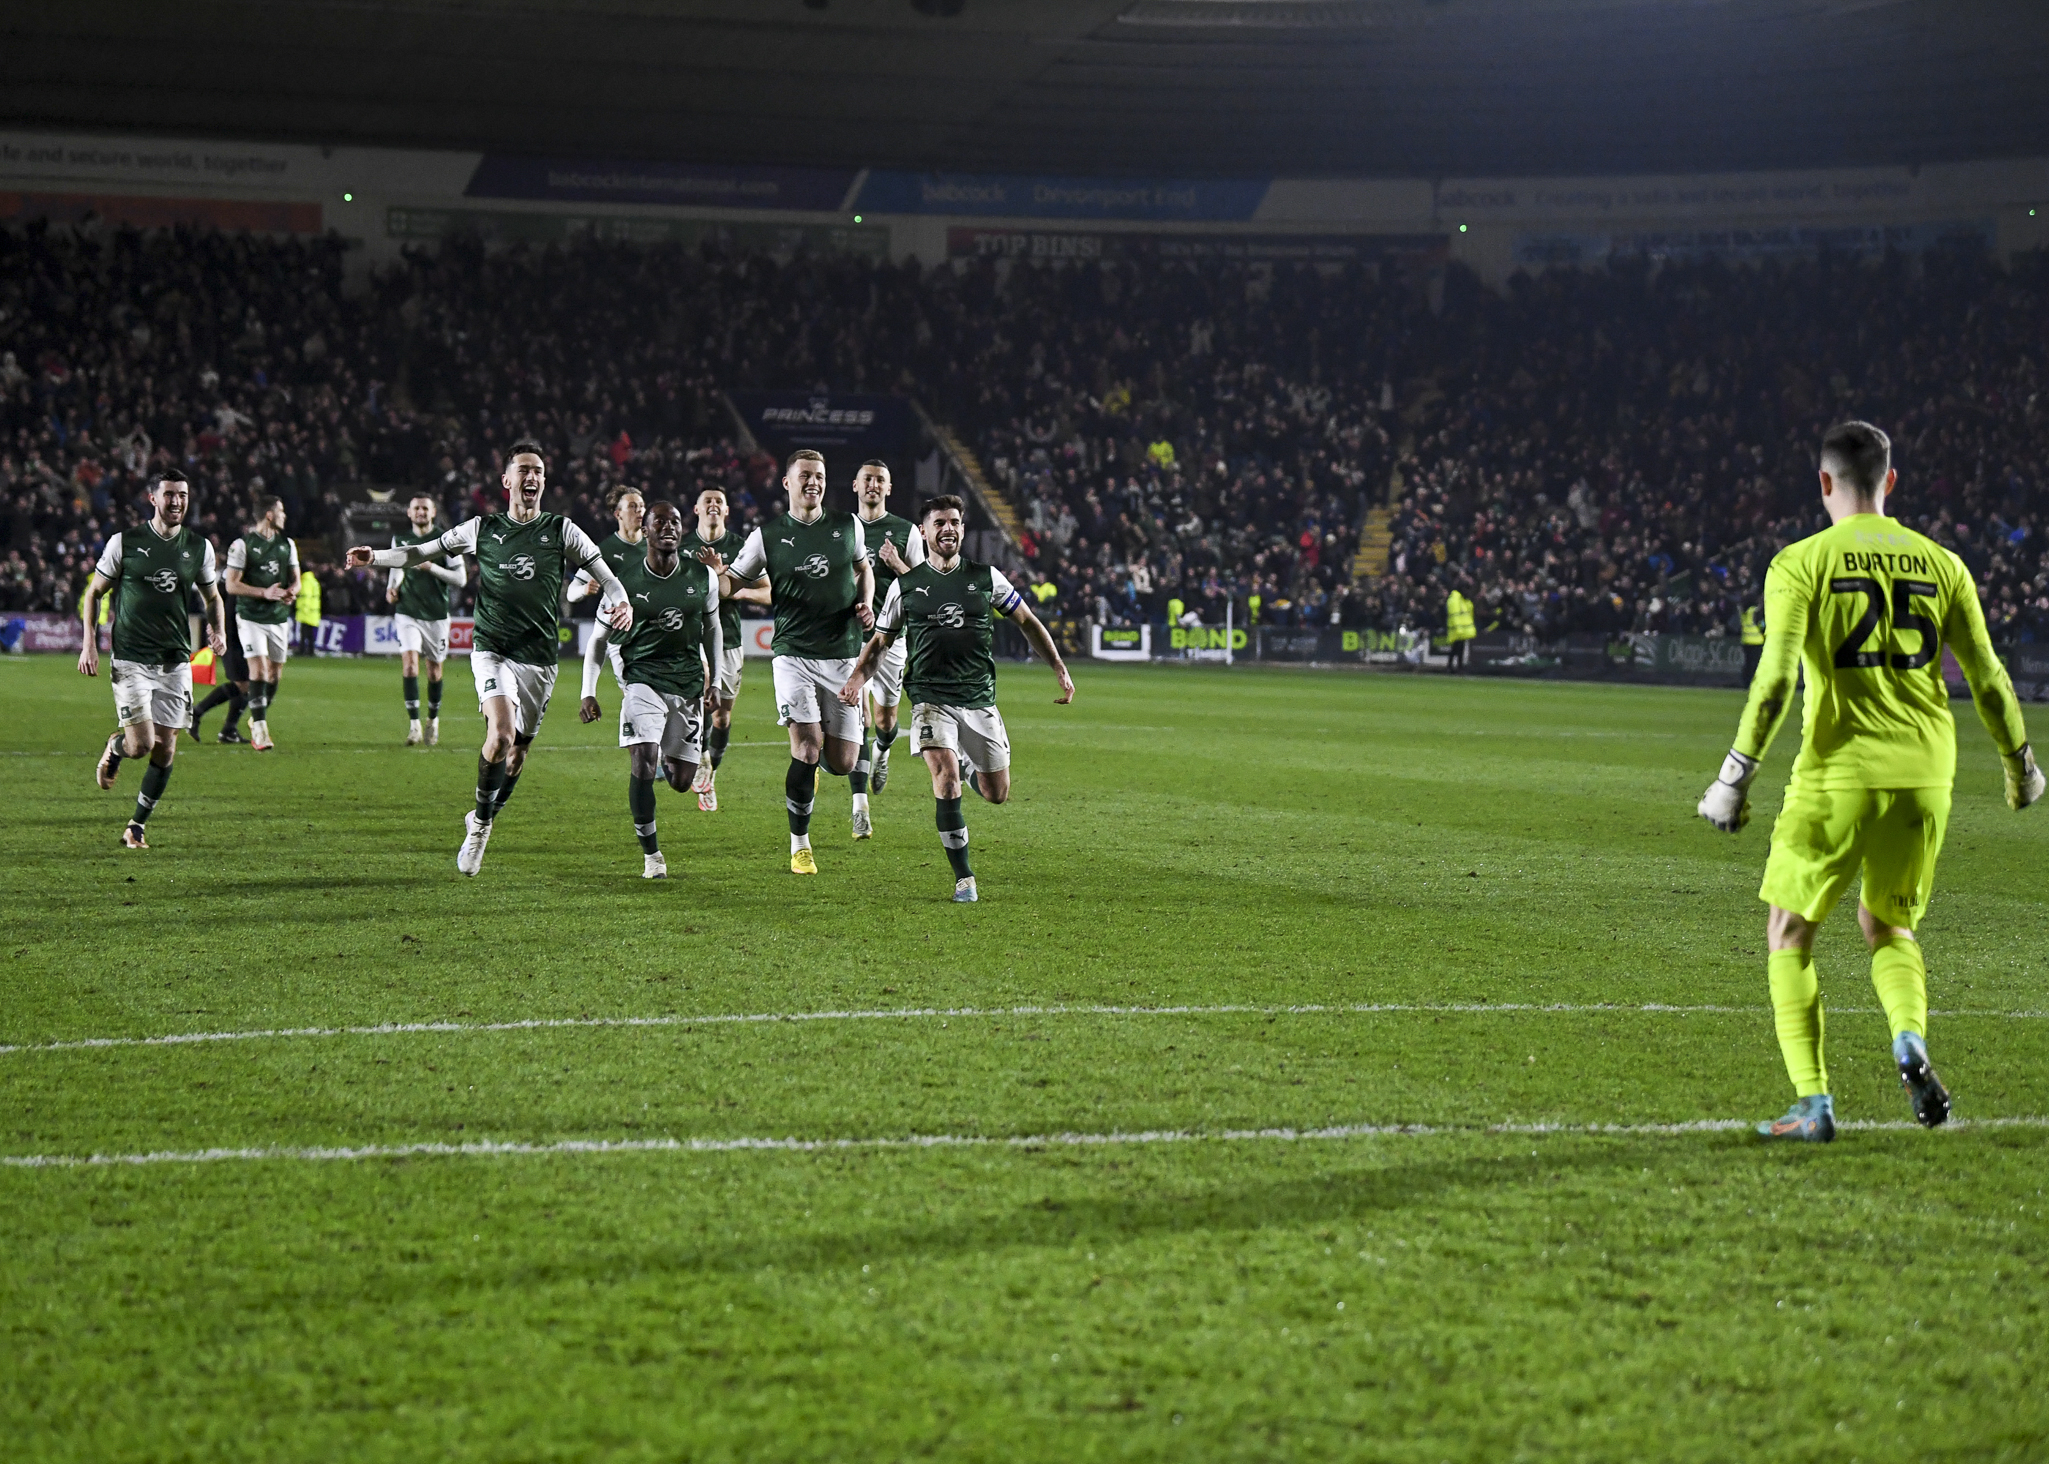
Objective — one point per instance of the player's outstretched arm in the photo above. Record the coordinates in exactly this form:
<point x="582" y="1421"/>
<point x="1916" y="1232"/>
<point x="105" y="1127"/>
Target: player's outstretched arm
<point x="89" y="613"/>
<point x="588" y="709"/>
<point x="458" y="541"/>
<point x="1726" y="804"/>
<point x="1992" y="694"/>
<point x="1042" y="641"/>
<point x="864" y="666"/>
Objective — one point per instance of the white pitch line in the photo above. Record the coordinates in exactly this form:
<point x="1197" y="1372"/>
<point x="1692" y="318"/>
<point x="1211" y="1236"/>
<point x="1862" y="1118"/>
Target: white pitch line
<point x="883" y="1014"/>
<point x="488" y="1149"/>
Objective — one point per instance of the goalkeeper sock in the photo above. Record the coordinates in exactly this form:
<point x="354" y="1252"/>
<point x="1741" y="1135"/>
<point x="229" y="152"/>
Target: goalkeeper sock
<point x="412" y="688"/>
<point x="800" y="791"/>
<point x="640" y="800"/>
<point x="434" y="699"/>
<point x="719" y="737"/>
<point x="858" y="778"/>
<point x="490" y="778"/>
<point x="953" y="835"/>
<point x="1796" y="1012"/>
<point x="1901" y="979"/>
<point x="505" y="791"/>
<point x="154" y="777"/>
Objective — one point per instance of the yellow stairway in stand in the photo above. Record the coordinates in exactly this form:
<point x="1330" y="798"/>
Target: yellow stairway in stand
<point x="1375" y="540"/>
<point x="995" y="504"/>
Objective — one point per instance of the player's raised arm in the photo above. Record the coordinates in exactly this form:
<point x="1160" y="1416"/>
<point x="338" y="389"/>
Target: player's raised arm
<point x="1726" y="804"/>
<point x="1041" y="639"/>
<point x="1992" y="693"/>
<point x="458" y="541"/>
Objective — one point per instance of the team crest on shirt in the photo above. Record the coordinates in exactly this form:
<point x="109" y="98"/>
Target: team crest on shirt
<point x="817" y="566"/>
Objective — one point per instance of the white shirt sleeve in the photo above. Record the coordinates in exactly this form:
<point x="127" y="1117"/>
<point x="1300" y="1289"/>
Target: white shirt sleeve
<point x="914" y="547"/>
<point x="752" y="559"/>
<point x="890" y="621"/>
<point x="208" y="573"/>
<point x="460" y="540"/>
<point x="293" y="546"/>
<point x="860" y="538"/>
<point x="594" y="657"/>
<point x="238" y="554"/>
<point x="391" y="580"/>
<point x="585" y="552"/>
<point x="1002" y="594"/>
<point x="718" y="632"/>
<point x="108" y="566"/>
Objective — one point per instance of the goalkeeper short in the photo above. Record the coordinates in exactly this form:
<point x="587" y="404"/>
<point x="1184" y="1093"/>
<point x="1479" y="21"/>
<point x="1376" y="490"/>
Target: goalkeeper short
<point x="1825" y="836"/>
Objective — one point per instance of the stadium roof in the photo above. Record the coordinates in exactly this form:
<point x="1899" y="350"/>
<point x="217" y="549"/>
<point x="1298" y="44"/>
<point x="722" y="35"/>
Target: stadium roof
<point x="1419" y="88"/>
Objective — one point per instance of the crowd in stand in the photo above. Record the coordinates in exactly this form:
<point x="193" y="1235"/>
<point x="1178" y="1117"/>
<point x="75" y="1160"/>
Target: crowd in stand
<point x="1600" y="451"/>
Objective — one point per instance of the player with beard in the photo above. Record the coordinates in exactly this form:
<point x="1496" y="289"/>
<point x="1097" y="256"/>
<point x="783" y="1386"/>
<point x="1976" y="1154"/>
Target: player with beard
<point x="894" y="544"/>
<point x="520" y="555"/>
<point x="263" y="568"/>
<point x="945" y="608"/>
<point x="153" y="569"/>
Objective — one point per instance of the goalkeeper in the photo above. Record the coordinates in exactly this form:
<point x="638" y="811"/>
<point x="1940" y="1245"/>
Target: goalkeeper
<point x="1865" y="607"/>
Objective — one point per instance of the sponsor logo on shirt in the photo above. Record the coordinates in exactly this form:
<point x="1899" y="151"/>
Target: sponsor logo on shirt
<point x="817" y="566"/>
<point x="950" y="616"/>
<point x="164" y="580"/>
<point x="521" y="566"/>
<point x="671" y="619"/>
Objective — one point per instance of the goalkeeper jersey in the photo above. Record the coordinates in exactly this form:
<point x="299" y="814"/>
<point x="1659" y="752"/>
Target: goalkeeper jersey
<point x="1865" y="609"/>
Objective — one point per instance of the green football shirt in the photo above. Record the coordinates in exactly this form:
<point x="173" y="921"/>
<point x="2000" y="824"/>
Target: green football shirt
<point x="264" y="560"/>
<point x="519" y="582"/>
<point x="894" y="529"/>
<point x="672" y="619"/>
<point x="948" y="618"/>
<point x="1865" y="609"/>
<point x="811" y="574"/>
<point x="153" y="579"/>
<point x="729" y="544"/>
<point x="421" y="595"/>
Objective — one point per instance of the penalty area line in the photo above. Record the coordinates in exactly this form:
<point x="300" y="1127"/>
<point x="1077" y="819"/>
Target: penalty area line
<point x="513" y="1149"/>
<point x="908" y="1014"/>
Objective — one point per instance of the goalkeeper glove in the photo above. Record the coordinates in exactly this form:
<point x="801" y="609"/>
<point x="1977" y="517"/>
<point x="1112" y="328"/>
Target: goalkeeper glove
<point x="2024" y="781"/>
<point x="1726" y="804"/>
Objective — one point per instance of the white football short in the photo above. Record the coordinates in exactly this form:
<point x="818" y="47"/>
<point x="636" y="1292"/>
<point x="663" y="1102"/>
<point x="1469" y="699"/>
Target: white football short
<point x="976" y="731"/>
<point x="732" y="661"/>
<point x="526" y="686"/>
<point x="274" y="641"/>
<point x="808" y="690"/>
<point x="428" y="638"/>
<point x="887" y="685"/>
<point x="159" y="694"/>
<point x="676" y="722"/>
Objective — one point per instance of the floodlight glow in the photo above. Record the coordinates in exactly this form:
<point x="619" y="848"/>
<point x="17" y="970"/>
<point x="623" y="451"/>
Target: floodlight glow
<point x="348" y="198"/>
<point x="857" y="217"/>
<point x="1461" y="228"/>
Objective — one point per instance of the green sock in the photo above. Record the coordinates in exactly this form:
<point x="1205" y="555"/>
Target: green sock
<point x="1796" y="1012"/>
<point x="719" y="737"/>
<point x="412" y="691"/>
<point x="434" y="700"/>
<point x="800" y="792"/>
<point x="858" y="778"/>
<point x="640" y="801"/>
<point x="490" y="778"/>
<point x="953" y="835"/>
<point x="1901" y="978"/>
<point x="153" y="780"/>
<point x="884" y="736"/>
<point x="505" y="792"/>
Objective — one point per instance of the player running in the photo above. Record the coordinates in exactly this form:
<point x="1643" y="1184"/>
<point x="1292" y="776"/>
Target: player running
<point x="943" y="607"/>
<point x="231" y="673"/>
<point x="816" y="564"/>
<point x="155" y="568"/>
<point x="520" y="556"/>
<point x="1864" y="608"/>
<point x="894" y="543"/>
<point x="263" y="568"/>
<point x="665" y="658"/>
<point x="420" y="599"/>
<point x="711" y="532"/>
<point x="629" y="511"/>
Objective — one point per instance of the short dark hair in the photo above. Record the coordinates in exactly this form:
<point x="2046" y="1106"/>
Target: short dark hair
<point x="711" y="488"/>
<point x="619" y="491"/>
<point x="169" y="475"/>
<point x="875" y="463"/>
<point x="1858" y="455"/>
<point x="526" y="444"/>
<point x="264" y="503"/>
<point x="942" y="502"/>
<point x="664" y="503"/>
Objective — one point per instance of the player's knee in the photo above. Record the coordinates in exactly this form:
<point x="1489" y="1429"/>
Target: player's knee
<point x="1787" y="930"/>
<point x="1877" y="931"/>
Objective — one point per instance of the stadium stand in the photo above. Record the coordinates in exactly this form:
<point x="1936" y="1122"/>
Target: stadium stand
<point x="1605" y="450"/>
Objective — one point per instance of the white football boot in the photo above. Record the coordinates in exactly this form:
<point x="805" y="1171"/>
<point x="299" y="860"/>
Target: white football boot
<point x="414" y="736"/>
<point x="470" y="857"/>
<point x="653" y="866"/>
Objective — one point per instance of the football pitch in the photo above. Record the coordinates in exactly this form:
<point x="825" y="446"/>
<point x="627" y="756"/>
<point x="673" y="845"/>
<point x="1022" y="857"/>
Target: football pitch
<point x="1337" y="1066"/>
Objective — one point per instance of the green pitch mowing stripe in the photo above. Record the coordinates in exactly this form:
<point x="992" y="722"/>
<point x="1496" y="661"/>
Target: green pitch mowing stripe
<point x="1391" y="911"/>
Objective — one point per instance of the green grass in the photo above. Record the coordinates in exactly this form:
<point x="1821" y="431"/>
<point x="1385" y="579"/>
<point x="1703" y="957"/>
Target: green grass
<point x="1179" y="838"/>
